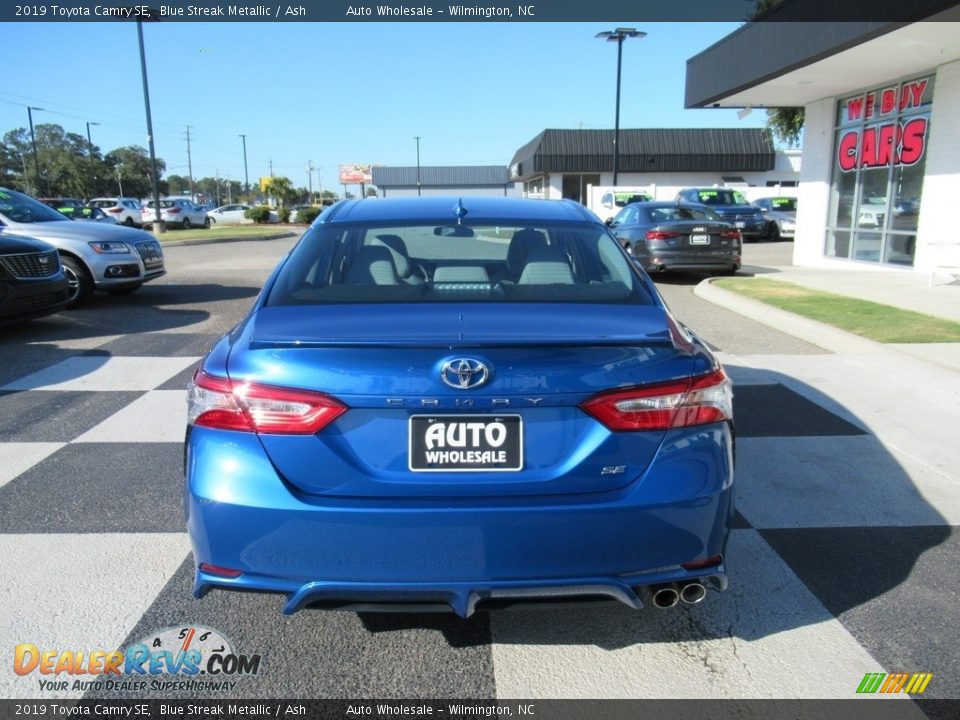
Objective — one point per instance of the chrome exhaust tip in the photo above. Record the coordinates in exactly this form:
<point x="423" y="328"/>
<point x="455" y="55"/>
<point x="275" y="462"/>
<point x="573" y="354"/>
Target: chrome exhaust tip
<point x="665" y="596"/>
<point x="692" y="593"/>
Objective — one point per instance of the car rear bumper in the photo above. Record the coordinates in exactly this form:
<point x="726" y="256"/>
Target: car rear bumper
<point x="457" y="552"/>
<point x="685" y="260"/>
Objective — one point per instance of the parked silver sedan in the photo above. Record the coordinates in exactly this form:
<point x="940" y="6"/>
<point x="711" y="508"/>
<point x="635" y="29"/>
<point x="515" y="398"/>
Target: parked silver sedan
<point x="175" y="211"/>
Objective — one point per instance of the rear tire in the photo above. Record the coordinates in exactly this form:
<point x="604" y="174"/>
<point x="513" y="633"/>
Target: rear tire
<point x="206" y="224"/>
<point x="79" y="281"/>
<point x="186" y="223"/>
<point x="773" y="234"/>
<point x="129" y="222"/>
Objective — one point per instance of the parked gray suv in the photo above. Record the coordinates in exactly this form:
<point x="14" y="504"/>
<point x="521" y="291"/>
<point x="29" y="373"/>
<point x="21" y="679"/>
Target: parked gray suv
<point x="94" y="256"/>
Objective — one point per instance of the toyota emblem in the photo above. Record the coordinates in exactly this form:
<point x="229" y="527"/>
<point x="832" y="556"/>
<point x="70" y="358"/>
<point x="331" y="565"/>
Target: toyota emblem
<point x="464" y="373"/>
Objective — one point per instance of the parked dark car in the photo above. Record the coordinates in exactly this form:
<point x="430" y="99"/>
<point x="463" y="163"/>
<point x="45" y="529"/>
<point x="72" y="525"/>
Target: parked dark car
<point x="780" y="214"/>
<point x="32" y="283"/>
<point x="459" y="403"/>
<point x="678" y="236"/>
<point x="730" y="205"/>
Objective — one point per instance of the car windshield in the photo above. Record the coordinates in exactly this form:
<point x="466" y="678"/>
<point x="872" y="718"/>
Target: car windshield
<point x="347" y="263"/>
<point x="665" y="214"/>
<point x="784" y="204"/>
<point x="21" y="208"/>
<point x="721" y="197"/>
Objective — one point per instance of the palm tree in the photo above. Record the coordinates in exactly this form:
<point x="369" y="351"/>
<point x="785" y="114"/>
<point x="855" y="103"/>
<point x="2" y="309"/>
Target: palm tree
<point x="281" y="189"/>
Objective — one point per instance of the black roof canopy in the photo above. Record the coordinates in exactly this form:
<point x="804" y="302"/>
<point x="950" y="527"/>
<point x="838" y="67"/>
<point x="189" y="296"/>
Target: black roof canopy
<point x="646" y="150"/>
<point x="441" y="176"/>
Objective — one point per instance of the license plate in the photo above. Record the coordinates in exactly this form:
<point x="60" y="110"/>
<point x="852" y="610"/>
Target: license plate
<point x="465" y="443"/>
<point x="740" y="224"/>
<point x="699" y="239"/>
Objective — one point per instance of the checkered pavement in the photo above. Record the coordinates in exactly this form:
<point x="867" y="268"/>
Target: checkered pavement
<point x="843" y="560"/>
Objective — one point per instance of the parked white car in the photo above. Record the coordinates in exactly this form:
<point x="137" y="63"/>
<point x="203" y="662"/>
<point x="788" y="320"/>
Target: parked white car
<point x="126" y="211"/>
<point x="234" y="215"/>
<point x="176" y="211"/>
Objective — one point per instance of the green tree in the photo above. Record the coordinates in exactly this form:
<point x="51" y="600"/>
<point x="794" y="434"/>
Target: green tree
<point x="130" y="166"/>
<point x="178" y="184"/>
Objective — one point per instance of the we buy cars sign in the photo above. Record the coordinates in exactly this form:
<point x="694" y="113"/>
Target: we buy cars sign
<point x="894" y="142"/>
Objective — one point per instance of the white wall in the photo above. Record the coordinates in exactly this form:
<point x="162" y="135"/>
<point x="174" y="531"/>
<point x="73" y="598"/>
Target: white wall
<point x="814" y="191"/>
<point x="938" y="241"/>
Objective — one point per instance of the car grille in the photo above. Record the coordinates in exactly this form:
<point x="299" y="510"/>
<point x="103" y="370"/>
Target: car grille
<point x="32" y="265"/>
<point x="151" y="254"/>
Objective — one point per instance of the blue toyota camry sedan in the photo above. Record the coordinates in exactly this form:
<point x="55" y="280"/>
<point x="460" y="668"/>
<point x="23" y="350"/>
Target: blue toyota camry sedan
<point x="460" y="403"/>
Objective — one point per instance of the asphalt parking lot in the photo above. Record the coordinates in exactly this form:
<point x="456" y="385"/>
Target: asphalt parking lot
<point x="842" y="563"/>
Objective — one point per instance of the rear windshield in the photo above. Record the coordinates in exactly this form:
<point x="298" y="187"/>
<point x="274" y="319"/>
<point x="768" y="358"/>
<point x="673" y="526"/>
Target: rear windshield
<point x="103" y="203"/>
<point x="721" y="197"/>
<point x="665" y="214"/>
<point x="163" y="204"/>
<point x="344" y="263"/>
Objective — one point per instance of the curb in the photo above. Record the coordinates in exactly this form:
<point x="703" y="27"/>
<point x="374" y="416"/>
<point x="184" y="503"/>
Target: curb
<point x="211" y="241"/>
<point x="812" y="331"/>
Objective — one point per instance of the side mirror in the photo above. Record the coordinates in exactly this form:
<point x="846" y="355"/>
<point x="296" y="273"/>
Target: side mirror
<point x="608" y="222"/>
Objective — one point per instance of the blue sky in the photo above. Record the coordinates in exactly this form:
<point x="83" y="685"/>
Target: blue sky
<point x="336" y="93"/>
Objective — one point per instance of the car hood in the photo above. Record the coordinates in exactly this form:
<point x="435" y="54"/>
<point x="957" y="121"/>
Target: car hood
<point x="16" y="244"/>
<point x="76" y="230"/>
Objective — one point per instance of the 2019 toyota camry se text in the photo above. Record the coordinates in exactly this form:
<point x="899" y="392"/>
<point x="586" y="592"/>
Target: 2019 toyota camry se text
<point x="460" y="403"/>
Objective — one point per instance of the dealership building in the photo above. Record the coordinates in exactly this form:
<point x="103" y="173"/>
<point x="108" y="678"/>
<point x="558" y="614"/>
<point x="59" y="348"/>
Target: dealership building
<point x="566" y="163"/>
<point x="880" y="172"/>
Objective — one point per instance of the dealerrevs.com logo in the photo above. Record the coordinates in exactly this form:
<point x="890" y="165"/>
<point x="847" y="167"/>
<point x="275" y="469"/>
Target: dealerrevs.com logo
<point x="894" y="683"/>
<point x="175" y="658"/>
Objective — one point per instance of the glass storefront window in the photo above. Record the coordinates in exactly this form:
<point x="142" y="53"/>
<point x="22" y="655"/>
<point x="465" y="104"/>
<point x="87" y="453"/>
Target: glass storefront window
<point x="878" y="170"/>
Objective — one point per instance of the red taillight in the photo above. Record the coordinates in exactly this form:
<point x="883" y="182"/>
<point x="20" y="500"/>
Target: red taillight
<point x="173" y="210"/>
<point x="249" y="407"/>
<point x="678" y="403"/>
<point x="730" y="234"/>
<point x="711" y="561"/>
<point x="115" y="210"/>
<point x="221" y="571"/>
<point x="661" y="234"/>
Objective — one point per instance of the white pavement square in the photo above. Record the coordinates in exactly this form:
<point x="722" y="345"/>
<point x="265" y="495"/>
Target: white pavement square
<point x="104" y="373"/>
<point x="76" y="592"/>
<point x="18" y="457"/>
<point x="158" y="416"/>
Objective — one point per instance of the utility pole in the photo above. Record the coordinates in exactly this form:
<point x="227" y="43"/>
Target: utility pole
<point x="271" y="167"/>
<point x="246" y="176"/>
<point x="158" y="225"/>
<point x="310" y="179"/>
<point x="193" y="196"/>
<point x="33" y="141"/>
<point x="90" y="190"/>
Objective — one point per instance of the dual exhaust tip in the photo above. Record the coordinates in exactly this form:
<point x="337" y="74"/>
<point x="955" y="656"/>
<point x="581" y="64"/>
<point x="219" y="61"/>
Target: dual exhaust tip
<point x="667" y="596"/>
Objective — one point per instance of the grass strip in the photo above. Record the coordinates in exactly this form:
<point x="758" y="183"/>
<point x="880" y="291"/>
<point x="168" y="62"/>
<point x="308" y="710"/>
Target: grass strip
<point x="225" y="232"/>
<point x="882" y="323"/>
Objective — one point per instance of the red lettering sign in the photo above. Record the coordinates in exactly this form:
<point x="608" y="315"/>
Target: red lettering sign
<point x="909" y="95"/>
<point x="882" y="145"/>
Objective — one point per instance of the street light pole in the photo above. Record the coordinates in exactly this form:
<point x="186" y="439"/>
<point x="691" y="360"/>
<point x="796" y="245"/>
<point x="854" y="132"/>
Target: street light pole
<point x="157" y="223"/>
<point x="618" y="36"/>
<point x="417" y="138"/>
<point x="33" y="142"/>
<point x="90" y="152"/>
<point x="246" y="176"/>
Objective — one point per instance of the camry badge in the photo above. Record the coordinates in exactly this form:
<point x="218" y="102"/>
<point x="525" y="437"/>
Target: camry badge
<point x="464" y="373"/>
